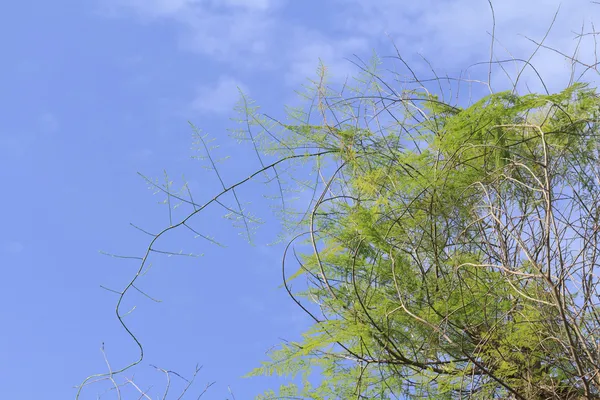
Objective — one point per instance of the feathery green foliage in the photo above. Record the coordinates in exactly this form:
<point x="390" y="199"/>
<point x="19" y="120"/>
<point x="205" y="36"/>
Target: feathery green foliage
<point x="448" y="251"/>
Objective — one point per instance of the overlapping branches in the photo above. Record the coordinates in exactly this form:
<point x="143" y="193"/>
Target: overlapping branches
<point x="449" y="247"/>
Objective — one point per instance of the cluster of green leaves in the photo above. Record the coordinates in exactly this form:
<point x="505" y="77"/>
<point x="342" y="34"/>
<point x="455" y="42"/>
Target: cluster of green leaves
<point x="434" y="254"/>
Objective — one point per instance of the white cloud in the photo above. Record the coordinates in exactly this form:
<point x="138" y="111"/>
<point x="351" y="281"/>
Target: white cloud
<point x="309" y="47"/>
<point x="219" y="98"/>
<point x="224" y="30"/>
<point x="451" y="34"/>
<point x="230" y="36"/>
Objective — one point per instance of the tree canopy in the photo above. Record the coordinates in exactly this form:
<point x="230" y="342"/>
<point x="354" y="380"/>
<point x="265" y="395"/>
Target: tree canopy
<point x="454" y="252"/>
<point x="450" y="250"/>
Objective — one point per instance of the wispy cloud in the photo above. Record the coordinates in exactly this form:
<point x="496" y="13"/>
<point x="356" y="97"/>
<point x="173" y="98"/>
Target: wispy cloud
<point x="251" y="34"/>
<point x="219" y="97"/>
<point x="225" y="30"/>
<point x="310" y="46"/>
<point x="451" y="34"/>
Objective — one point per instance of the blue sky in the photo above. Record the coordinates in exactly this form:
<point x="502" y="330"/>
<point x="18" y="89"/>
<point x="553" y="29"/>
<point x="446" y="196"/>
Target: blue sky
<point x="94" y="91"/>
